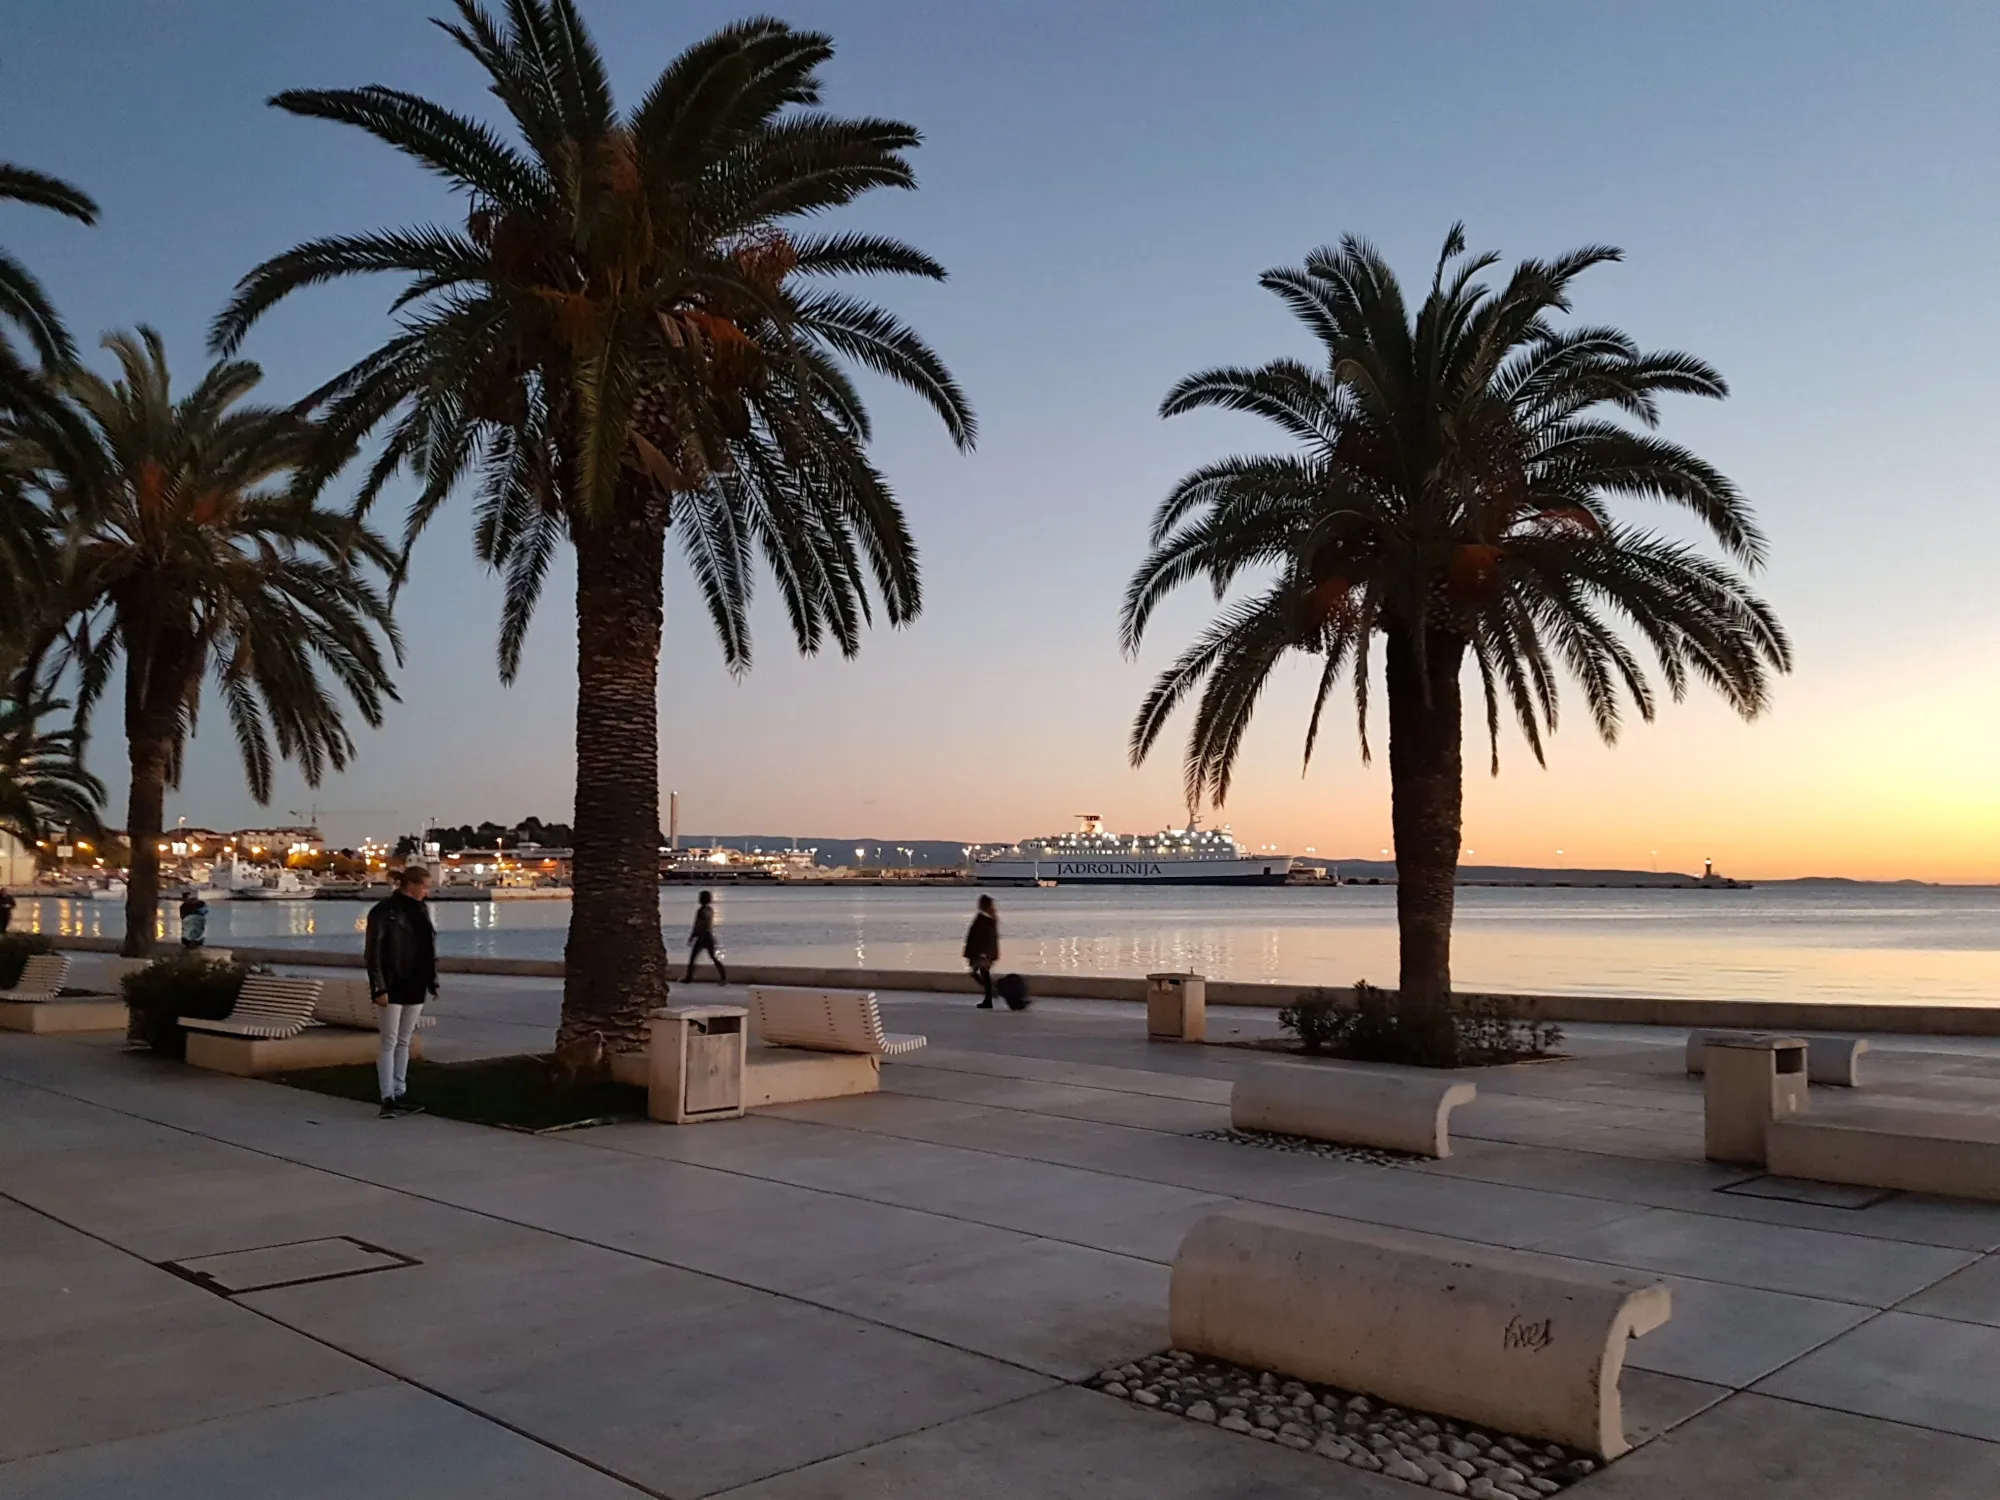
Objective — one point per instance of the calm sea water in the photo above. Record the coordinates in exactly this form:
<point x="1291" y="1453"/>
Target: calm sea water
<point x="1878" y="943"/>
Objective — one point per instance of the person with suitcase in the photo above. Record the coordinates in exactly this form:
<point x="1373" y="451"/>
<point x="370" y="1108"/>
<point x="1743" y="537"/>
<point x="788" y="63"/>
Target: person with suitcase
<point x="982" y="948"/>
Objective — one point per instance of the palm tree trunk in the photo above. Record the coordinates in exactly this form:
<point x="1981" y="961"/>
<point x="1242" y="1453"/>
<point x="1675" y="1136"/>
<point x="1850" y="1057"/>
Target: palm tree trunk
<point x="149" y="755"/>
<point x="615" y="967"/>
<point x="1426" y="788"/>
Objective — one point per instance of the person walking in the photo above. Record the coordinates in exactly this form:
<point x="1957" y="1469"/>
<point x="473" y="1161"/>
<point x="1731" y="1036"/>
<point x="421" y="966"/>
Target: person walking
<point x="702" y="938"/>
<point x="6" y="909"/>
<point x="982" y="948"/>
<point x="401" y="955"/>
<point x="194" y="923"/>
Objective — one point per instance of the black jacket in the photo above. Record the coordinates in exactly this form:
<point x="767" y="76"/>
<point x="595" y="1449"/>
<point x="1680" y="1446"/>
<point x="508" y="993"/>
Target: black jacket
<point x="982" y="940"/>
<point x="401" y="951"/>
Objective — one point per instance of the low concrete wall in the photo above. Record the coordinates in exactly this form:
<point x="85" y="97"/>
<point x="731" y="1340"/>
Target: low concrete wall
<point x="1616" y="1010"/>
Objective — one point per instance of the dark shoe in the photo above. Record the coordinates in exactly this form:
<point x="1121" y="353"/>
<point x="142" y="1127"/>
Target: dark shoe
<point x="984" y="1005"/>
<point x="388" y="1111"/>
<point x="405" y="1107"/>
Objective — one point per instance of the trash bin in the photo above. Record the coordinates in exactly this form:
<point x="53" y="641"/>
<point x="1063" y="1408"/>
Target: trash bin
<point x="695" y="1068"/>
<point x="1751" y="1081"/>
<point x="1176" y="1007"/>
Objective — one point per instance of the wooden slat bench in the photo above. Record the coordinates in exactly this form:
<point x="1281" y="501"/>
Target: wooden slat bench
<point x="1526" y="1343"/>
<point x="36" y="1002"/>
<point x="825" y="1021"/>
<point x="1407" y="1110"/>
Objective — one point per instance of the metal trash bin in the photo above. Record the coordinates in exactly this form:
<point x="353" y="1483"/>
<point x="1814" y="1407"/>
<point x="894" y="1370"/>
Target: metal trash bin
<point x="1751" y="1080"/>
<point x="695" y="1063"/>
<point x="1176" y="1007"/>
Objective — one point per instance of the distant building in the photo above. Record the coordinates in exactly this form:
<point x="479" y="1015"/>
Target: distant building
<point x="277" y="843"/>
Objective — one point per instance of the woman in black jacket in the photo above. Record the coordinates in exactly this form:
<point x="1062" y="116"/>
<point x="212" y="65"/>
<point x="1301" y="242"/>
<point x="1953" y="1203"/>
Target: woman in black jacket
<point x="982" y="948"/>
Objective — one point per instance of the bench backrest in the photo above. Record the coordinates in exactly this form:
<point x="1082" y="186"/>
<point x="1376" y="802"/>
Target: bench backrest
<point x="42" y="974"/>
<point x="272" y="1001"/>
<point x="345" y="1002"/>
<point x="1527" y="1343"/>
<point x="820" y="1020"/>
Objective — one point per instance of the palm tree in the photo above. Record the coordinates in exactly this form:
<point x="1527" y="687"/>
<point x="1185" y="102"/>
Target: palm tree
<point x="189" y="557"/>
<point x="43" y="785"/>
<point x="1451" y="492"/>
<point x="622" y="342"/>
<point x="25" y="401"/>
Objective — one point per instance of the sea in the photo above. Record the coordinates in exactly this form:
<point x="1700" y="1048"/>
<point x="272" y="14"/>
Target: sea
<point x="1833" y="942"/>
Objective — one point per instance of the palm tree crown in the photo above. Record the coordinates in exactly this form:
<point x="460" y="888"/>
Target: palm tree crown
<point x="1454" y="479"/>
<point x="623" y="306"/>
<point x="43" y="785"/>
<point x="23" y="302"/>
<point x="189" y="557"/>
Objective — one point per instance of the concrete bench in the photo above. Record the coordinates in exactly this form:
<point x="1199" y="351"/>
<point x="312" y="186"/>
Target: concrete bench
<point x="1951" y="1153"/>
<point x="36" y="1002"/>
<point x="273" y="1029"/>
<point x="1409" y="1110"/>
<point x="1521" y="1342"/>
<point x="1833" y="1060"/>
<point x="824" y="1021"/>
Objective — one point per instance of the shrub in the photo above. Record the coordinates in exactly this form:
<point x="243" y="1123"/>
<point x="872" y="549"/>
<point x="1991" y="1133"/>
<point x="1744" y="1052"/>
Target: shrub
<point x="1368" y="1028"/>
<point x="16" y="948"/>
<point x="161" y="993"/>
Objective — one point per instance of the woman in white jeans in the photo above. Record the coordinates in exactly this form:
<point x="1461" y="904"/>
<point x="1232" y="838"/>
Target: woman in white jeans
<point x="402" y="974"/>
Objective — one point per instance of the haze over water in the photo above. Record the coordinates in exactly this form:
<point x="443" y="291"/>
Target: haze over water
<point x="1905" y="944"/>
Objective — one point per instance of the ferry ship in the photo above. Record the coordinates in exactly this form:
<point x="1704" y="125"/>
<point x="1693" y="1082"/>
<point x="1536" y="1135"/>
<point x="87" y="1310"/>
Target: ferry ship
<point x="1091" y="856"/>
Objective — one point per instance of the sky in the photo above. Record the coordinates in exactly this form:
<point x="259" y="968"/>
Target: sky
<point x="1806" y="197"/>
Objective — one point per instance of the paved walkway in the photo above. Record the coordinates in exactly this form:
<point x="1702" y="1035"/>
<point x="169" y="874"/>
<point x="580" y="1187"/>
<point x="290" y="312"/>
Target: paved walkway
<point x="894" y="1297"/>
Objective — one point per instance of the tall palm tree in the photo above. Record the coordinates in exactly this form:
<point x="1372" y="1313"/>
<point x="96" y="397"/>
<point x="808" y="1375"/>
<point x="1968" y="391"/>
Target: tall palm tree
<point x="1452" y="491"/>
<point x="190" y="559"/>
<point x="26" y="401"/>
<point x="622" y="342"/>
<point x="43" y="785"/>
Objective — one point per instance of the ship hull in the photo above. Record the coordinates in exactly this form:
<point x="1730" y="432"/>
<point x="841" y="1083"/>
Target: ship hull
<point x="1085" y="870"/>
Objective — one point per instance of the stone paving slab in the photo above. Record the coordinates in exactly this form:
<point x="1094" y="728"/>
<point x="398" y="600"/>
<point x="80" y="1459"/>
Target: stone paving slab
<point x="1075" y="1444"/>
<point x="392" y="1442"/>
<point x="1906" y="1368"/>
<point x="1754" y="1446"/>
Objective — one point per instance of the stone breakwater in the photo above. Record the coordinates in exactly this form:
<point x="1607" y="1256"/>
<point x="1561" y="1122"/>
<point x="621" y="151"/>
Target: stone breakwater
<point x="1441" y="1454"/>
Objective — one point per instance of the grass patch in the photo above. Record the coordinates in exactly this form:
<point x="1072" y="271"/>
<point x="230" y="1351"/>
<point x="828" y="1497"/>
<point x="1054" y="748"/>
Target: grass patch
<point x="515" y="1093"/>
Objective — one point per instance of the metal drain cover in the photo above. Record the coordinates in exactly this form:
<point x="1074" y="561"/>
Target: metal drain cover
<point x="271" y="1266"/>
<point x="1820" y="1194"/>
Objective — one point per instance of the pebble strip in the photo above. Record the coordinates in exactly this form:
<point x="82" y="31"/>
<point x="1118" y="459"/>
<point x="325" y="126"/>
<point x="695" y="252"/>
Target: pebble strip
<point x="1305" y="1145"/>
<point x="1451" y="1456"/>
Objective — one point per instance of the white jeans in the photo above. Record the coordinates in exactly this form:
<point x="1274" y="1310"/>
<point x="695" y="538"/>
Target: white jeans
<point x="399" y="1024"/>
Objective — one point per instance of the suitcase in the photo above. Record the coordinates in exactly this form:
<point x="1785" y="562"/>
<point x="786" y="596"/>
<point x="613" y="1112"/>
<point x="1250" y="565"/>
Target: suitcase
<point x="1014" y="990"/>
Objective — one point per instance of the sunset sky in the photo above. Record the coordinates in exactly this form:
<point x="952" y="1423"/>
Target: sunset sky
<point x="1807" y="198"/>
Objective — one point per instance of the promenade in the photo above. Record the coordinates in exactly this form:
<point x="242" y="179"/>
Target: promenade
<point x="897" y="1297"/>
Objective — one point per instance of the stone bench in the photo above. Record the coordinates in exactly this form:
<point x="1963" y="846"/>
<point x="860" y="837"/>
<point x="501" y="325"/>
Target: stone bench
<point x="1524" y="1343"/>
<point x="1951" y="1153"/>
<point x="1408" y="1110"/>
<point x="1833" y="1060"/>
<point x="36" y="1003"/>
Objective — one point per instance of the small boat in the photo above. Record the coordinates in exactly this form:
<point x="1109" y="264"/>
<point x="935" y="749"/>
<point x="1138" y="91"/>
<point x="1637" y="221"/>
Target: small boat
<point x="284" y="885"/>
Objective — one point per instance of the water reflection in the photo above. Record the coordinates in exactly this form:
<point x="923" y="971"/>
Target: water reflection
<point x="1862" y="944"/>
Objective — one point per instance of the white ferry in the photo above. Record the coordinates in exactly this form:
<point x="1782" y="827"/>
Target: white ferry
<point x="1090" y="856"/>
